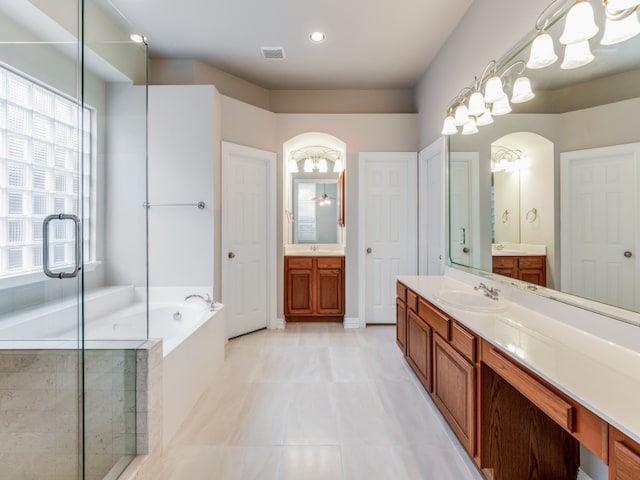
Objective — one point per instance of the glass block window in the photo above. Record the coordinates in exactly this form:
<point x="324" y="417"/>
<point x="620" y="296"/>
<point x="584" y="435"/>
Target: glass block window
<point x="42" y="172"/>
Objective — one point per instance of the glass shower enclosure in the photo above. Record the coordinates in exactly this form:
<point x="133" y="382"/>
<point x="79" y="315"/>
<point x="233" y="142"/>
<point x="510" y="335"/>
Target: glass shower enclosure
<point x="67" y="147"/>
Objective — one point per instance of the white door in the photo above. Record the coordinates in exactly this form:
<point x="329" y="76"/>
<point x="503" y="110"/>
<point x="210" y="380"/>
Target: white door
<point x="388" y="230"/>
<point x="462" y="196"/>
<point x="248" y="238"/>
<point x="431" y="208"/>
<point x="599" y="187"/>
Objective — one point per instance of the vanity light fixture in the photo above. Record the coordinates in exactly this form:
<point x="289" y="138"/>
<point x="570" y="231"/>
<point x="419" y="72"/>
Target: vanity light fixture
<point x="315" y="159"/>
<point x="620" y="25"/>
<point x="493" y="90"/>
<point x="292" y="166"/>
<point x="476" y="104"/>
<point x="577" y="55"/>
<point x="542" y="53"/>
<point x="484" y="119"/>
<point x="501" y="107"/>
<point x="449" y="125"/>
<point x="470" y="127"/>
<point x="617" y="5"/>
<point x="322" y="165"/>
<point x="461" y="116"/>
<point x="580" y="24"/>
<point x="522" y="90"/>
<point x="505" y="159"/>
<point x="137" y="38"/>
<point x="308" y="165"/>
<point x="338" y="166"/>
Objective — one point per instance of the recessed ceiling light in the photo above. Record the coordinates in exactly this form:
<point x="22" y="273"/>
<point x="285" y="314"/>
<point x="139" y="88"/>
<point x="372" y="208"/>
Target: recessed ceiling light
<point x="317" y="37"/>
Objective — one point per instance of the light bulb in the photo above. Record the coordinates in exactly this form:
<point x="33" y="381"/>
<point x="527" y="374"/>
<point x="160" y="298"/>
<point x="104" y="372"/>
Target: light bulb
<point x="493" y="90"/>
<point x="522" y="91"/>
<point x="577" y="55"/>
<point x="501" y="107"/>
<point x="485" y="118"/>
<point x="617" y="31"/>
<point x="580" y="24"/>
<point x="470" y="127"/>
<point x="476" y="104"/>
<point x="542" y="54"/>
<point x="461" y="115"/>
<point x="449" y="126"/>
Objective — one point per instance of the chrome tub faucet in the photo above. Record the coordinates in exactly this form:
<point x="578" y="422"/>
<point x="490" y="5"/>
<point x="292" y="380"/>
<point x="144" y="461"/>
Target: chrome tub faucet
<point x="206" y="298"/>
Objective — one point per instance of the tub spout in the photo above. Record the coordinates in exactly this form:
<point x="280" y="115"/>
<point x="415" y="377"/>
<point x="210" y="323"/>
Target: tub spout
<point x="206" y="298"/>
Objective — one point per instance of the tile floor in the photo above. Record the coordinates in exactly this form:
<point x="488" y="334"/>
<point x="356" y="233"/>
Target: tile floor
<point x="315" y="401"/>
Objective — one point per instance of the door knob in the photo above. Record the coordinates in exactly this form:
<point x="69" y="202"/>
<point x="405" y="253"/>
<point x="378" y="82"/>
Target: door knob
<point x="369" y="250"/>
<point x="466" y="250"/>
<point x="628" y="254"/>
<point x="231" y="255"/>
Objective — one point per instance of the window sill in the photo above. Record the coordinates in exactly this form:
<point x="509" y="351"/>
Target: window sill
<point x="37" y="277"/>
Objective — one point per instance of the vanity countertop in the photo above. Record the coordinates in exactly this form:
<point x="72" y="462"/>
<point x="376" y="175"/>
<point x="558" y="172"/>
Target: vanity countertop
<point x="314" y="250"/>
<point x="601" y="375"/>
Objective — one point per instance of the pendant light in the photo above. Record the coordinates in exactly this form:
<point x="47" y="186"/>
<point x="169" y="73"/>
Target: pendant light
<point x="619" y="26"/>
<point x="449" y="126"/>
<point x="461" y="116"/>
<point x="485" y="119"/>
<point x="522" y="90"/>
<point x="470" y="127"/>
<point x="542" y="53"/>
<point x="577" y="55"/>
<point x="580" y="24"/>
<point x="501" y="107"/>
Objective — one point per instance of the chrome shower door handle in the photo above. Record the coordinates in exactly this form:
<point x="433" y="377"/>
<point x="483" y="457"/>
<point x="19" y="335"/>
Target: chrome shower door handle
<point x="45" y="246"/>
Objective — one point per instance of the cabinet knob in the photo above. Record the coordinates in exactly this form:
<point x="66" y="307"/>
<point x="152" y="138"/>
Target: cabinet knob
<point x="466" y="250"/>
<point x="231" y="255"/>
<point x="628" y="254"/>
<point x="369" y="250"/>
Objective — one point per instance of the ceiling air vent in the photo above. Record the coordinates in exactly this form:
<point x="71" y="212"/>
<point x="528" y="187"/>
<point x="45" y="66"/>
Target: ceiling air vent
<point x="272" y="52"/>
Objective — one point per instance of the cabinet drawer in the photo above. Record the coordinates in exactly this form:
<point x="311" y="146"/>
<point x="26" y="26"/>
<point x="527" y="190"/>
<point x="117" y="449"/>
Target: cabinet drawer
<point x="546" y="400"/>
<point x="412" y="300"/>
<point x="504" y="262"/>
<point x="401" y="291"/>
<point x="437" y="320"/>
<point x="329" y="262"/>
<point x="299" y="262"/>
<point x="463" y="341"/>
<point x="531" y="262"/>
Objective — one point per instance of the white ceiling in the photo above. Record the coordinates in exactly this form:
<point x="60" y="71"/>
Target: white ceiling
<point x="369" y="44"/>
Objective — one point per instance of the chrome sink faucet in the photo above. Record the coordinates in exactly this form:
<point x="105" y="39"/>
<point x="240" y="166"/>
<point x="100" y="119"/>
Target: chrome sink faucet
<point x="490" y="292"/>
<point x="207" y="299"/>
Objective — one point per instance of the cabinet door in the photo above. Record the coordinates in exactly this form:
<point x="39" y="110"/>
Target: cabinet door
<point x="330" y="298"/>
<point x="299" y="284"/>
<point x="454" y="391"/>
<point x="401" y="325"/>
<point x="624" y="457"/>
<point x="419" y="348"/>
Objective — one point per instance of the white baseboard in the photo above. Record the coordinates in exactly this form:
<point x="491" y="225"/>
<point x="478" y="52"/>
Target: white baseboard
<point x="351" y="322"/>
<point x="278" y="323"/>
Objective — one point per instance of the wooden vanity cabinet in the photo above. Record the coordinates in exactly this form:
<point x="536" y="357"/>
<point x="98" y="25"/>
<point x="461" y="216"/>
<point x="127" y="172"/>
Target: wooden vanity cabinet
<point x="624" y="456"/>
<point x="419" y="348"/>
<point x="314" y="288"/>
<point x="401" y="318"/>
<point x="532" y="269"/>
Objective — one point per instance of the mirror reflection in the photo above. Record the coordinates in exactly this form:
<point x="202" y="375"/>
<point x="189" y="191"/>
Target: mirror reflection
<point x="553" y="192"/>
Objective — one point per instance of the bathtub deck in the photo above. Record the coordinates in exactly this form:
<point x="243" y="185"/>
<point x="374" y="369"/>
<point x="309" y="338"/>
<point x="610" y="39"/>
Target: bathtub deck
<point x="315" y="401"/>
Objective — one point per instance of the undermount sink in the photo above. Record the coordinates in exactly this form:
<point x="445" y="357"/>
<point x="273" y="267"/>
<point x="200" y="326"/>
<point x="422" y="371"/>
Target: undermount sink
<point x="470" y="301"/>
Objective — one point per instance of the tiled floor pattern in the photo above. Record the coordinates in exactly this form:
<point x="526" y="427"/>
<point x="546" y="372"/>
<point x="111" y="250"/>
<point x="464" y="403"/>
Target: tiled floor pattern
<point x="315" y="401"/>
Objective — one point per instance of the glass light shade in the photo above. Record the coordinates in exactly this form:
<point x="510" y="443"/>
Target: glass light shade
<point x="485" y="118"/>
<point x="493" y="90"/>
<point x="470" y="127"/>
<point x="580" y="24"/>
<point x="449" y="126"/>
<point x="616" y="31"/>
<point x="292" y="165"/>
<point x="577" y="55"/>
<point x="501" y="107"/>
<point x="308" y="165"/>
<point x="617" y="5"/>
<point x="542" y="53"/>
<point x="338" y="166"/>
<point x="522" y="91"/>
<point x="476" y="104"/>
<point x="322" y="165"/>
<point x="461" y="115"/>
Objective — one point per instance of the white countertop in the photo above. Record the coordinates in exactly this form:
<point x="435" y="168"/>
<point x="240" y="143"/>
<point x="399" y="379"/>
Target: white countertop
<point x="598" y="373"/>
<point x="314" y="250"/>
<point x="503" y="249"/>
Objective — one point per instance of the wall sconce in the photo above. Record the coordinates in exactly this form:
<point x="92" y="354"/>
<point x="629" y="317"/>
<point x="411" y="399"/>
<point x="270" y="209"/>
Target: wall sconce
<point x="315" y="159"/>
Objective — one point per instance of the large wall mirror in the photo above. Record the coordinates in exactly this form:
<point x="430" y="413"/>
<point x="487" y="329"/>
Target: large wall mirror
<point x="557" y="177"/>
<point x="314" y="190"/>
